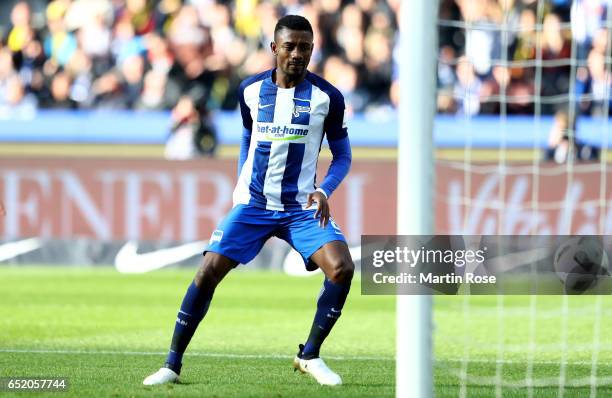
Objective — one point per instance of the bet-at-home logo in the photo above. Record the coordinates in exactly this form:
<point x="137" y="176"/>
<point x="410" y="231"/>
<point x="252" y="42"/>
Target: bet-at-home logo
<point x="281" y="133"/>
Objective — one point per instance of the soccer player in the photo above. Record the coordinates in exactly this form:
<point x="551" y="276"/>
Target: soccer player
<point x="285" y="113"/>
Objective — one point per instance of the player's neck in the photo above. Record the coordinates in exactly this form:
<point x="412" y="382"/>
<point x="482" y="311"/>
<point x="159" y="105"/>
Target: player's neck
<point x="285" y="81"/>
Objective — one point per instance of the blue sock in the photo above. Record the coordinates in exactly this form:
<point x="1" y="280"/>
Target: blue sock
<point x="329" y="308"/>
<point x="194" y="307"/>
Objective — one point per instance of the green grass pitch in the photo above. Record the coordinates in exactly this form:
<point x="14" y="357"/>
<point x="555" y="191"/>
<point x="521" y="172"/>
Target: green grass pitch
<point x="106" y="332"/>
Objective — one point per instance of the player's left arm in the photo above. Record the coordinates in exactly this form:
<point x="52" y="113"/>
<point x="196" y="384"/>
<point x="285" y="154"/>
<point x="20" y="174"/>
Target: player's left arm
<point x="339" y="144"/>
<point x="247" y="126"/>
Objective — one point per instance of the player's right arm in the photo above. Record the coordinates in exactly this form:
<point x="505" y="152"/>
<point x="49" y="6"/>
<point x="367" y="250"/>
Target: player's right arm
<point x="247" y="127"/>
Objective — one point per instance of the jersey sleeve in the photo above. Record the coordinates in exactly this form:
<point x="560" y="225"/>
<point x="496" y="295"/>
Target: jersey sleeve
<point x="247" y="124"/>
<point x="340" y="165"/>
<point x="335" y="125"/>
<point x="245" y="112"/>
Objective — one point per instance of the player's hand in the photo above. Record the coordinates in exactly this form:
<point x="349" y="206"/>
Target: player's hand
<point x="322" y="212"/>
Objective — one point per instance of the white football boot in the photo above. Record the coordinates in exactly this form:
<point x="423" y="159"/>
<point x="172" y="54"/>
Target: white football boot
<point x="162" y="376"/>
<point x="317" y="368"/>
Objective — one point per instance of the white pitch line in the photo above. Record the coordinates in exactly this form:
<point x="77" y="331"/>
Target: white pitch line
<point x="194" y="354"/>
<point x="539" y="382"/>
<point x="269" y="356"/>
<point x="516" y="362"/>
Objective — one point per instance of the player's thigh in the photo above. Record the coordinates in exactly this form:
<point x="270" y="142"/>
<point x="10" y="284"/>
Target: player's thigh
<point x="242" y="233"/>
<point x="304" y="233"/>
<point x="332" y="254"/>
<point x="334" y="259"/>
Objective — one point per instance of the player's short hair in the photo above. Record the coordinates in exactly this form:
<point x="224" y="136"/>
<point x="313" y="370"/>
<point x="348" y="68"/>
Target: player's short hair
<point x="293" y="22"/>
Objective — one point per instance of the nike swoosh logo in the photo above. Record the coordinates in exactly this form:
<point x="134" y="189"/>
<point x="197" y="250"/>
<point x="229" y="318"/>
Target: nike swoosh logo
<point x="265" y="106"/>
<point x="128" y="261"/>
<point x="14" y="249"/>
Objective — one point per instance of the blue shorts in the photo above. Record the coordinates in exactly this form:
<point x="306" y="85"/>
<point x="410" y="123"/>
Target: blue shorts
<point x="243" y="232"/>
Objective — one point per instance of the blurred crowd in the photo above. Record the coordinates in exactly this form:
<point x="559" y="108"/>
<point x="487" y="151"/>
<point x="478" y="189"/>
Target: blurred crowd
<point x="491" y="62"/>
<point x="189" y="56"/>
<point x="160" y="54"/>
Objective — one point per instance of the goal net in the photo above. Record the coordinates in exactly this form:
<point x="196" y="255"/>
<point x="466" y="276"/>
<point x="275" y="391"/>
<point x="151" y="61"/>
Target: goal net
<point x="523" y="98"/>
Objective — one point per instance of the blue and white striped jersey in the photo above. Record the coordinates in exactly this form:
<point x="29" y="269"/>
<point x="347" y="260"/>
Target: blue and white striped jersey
<point x="287" y="127"/>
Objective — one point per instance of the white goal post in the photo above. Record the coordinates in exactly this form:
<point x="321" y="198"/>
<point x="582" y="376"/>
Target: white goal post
<point x="415" y="186"/>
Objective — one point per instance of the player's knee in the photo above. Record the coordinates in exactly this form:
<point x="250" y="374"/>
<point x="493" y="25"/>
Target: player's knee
<point x="210" y="273"/>
<point x="343" y="272"/>
<point x="206" y="276"/>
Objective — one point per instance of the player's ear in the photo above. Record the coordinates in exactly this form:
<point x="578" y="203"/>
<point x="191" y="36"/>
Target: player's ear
<point x="273" y="48"/>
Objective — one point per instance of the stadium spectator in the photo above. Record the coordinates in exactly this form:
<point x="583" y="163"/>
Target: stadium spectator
<point x="446" y="79"/>
<point x="154" y="94"/>
<point x="524" y="48"/>
<point x="555" y="79"/>
<point x="60" y="44"/>
<point x="467" y="88"/>
<point x="80" y="69"/>
<point x="132" y="76"/>
<point x="139" y="13"/>
<point x="378" y="69"/>
<point x="158" y="54"/>
<point x="479" y="42"/>
<point x="344" y="77"/>
<point x="185" y="119"/>
<point x="106" y="92"/>
<point x="350" y="34"/>
<point x="6" y="68"/>
<point x="21" y="32"/>
<point x="586" y="19"/>
<point x="600" y="41"/>
<point x="563" y="144"/>
<point x="492" y="87"/>
<point x="191" y="135"/>
<point x="90" y="19"/>
<point x="126" y="43"/>
<point x="60" y="92"/>
<point x="599" y="84"/>
<point x="17" y="103"/>
<point x="30" y="62"/>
